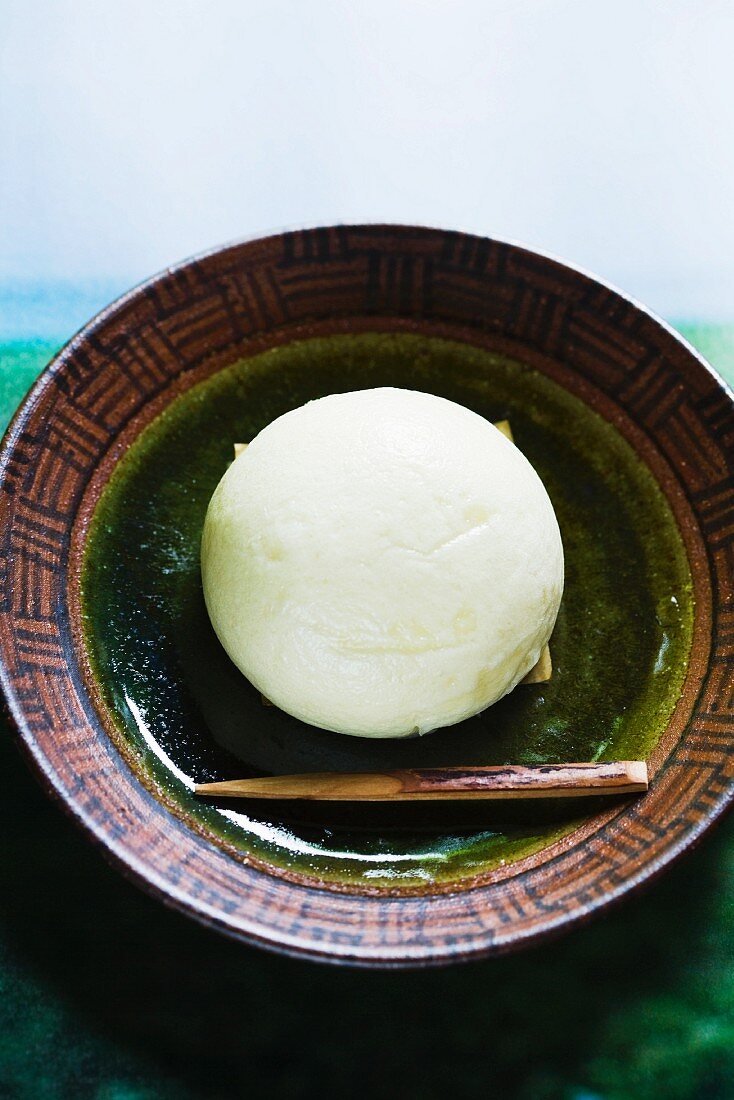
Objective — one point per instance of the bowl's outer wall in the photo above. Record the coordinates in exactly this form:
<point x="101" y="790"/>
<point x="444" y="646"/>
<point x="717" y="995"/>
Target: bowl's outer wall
<point x="136" y="356"/>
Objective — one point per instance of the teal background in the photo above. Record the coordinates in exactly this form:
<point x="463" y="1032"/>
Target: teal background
<point x="106" y="994"/>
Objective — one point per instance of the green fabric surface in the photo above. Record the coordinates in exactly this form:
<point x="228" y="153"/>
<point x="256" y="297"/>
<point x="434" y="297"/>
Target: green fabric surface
<point x="105" y="993"/>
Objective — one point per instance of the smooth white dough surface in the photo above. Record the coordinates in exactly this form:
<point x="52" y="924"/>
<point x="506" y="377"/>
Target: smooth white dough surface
<point x="382" y="563"/>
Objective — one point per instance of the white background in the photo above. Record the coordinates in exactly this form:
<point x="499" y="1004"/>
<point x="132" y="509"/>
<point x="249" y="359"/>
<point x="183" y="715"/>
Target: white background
<point x="136" y="132"/>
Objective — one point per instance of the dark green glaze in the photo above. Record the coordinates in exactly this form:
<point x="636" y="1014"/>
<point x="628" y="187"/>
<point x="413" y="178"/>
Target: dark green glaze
<point x="620" y="646"/>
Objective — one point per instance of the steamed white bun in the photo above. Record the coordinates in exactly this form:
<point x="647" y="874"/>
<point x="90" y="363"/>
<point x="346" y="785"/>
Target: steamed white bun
<point x="382" y="563"/>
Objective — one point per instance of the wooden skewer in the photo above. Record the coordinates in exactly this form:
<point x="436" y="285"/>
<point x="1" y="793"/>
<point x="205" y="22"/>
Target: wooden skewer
<point x="416" y="784"/>
<point x="542" y="671"/>
<point x="504" y="427"/>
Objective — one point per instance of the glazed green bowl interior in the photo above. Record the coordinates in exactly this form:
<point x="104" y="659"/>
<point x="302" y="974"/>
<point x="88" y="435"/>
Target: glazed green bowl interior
<point x="184" y="714"/>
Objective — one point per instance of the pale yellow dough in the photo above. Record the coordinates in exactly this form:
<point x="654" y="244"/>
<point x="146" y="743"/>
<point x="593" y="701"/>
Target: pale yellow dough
<point x="382" y="563"/>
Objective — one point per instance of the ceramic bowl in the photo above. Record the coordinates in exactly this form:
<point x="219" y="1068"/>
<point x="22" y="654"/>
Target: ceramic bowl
<point x="121" y="696"/>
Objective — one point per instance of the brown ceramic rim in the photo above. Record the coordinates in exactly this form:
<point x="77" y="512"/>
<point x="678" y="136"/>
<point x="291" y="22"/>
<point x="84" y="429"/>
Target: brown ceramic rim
<point x="133" y="358"/>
